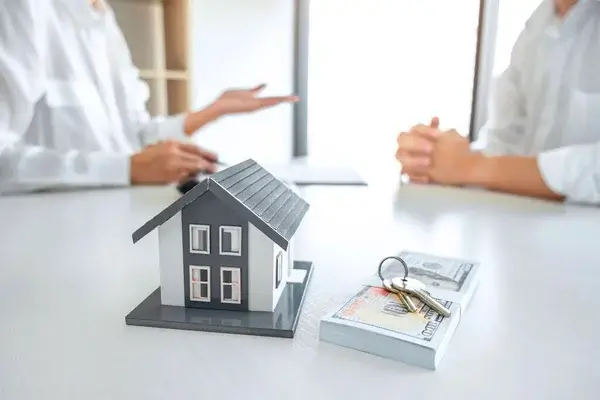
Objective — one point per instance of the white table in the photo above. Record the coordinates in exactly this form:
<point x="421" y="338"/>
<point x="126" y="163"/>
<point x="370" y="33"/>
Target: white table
<point x="69" y="274"/>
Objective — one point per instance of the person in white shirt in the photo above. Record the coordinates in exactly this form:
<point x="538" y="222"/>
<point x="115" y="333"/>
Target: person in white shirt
<point x="543" y="135"/>
<point x="73" y="108"/>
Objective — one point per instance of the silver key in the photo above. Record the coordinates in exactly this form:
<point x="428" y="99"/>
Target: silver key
<point x="416" y="288"/>
<point x="404" y="298"/>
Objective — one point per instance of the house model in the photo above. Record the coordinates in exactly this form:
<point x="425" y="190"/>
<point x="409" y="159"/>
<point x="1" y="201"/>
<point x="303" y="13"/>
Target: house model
<point x="225" y="252"/>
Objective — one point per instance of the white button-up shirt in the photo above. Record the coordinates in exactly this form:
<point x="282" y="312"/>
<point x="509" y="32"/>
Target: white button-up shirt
<point x="72" y="107"/>
<point x="547" y="103"/>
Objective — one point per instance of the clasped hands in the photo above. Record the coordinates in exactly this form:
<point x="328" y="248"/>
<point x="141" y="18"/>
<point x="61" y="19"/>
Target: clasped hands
<point x="430" y="155"/>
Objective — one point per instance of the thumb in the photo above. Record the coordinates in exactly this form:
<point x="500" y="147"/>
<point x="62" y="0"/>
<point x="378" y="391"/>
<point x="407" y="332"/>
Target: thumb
<point x="435" y="122"/>
<point x="258" y="88"/>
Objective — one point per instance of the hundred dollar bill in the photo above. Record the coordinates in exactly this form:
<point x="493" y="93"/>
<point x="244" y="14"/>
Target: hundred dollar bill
<point x="378" y="308"/>
<point x="374" y="321"/>
<point x="450" y="278"/>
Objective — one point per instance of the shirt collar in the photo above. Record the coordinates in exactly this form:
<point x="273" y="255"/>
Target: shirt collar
<point x="545" y="20"/>
<point x="572" y="21"/>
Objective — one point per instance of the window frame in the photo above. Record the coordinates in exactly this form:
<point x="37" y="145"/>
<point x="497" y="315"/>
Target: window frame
<point x="236" y="287"/>
<point x="199" y="227"/>
<point x="278" y="269"/>
<point x="199" y="283"/>
<point x="222" y="229"/>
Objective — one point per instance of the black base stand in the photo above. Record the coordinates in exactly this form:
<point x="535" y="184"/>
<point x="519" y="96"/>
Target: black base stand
<point x="280" y="323"/>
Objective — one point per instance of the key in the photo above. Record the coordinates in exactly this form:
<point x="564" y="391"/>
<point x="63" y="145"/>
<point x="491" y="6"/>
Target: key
<point x="416" y="288"/>
<point x="404" y="298"/>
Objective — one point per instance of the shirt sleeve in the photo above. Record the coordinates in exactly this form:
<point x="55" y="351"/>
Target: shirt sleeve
<point x="504" y="130"/>
<point x="25" y="167"/>
<point x="573" y="172"/>
<point x="136" y="118"/>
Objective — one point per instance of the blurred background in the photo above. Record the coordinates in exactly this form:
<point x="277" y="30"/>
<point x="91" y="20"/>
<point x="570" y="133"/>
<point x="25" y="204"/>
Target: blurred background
<point x="373" y="68"/>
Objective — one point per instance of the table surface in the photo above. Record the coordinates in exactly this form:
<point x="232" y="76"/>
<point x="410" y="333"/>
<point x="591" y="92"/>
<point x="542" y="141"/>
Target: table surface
<point x="69" y="274"/>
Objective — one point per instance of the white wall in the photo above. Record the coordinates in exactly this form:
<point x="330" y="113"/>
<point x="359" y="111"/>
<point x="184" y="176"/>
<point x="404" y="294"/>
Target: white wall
<point x="260" y="270"/>
<point x="262" y="254"/>
<point x="290" y="257"/>
<point x="171" y="262"/>
<point x="242" y="43"/>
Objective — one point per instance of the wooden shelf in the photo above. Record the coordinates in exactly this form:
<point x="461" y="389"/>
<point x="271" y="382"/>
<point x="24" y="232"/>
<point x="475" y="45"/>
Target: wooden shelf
<point x="164" y="74"/>
<point x="158" y="34"/>
<point x="177" y="33"/>
<point x="178" y="92"/>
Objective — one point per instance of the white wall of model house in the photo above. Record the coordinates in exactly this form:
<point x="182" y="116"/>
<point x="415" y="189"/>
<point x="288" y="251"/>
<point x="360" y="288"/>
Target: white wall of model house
<point x="170" y="257"/>
<point x="262" y="256"/>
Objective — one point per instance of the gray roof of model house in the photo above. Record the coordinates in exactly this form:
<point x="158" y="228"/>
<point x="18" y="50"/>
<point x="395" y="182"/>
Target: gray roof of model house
<point x="250" y="190"/>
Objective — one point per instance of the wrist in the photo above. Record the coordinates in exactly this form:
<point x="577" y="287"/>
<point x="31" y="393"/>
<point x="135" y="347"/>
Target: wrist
<point x="198" y="119"/>
<point x="213" y="111"/>
<point x="478" y="169"/>
<point x="132" y="168"/>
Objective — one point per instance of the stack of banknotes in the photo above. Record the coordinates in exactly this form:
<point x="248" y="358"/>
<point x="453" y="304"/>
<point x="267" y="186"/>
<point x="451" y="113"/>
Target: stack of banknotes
<point x="374" y="320"/>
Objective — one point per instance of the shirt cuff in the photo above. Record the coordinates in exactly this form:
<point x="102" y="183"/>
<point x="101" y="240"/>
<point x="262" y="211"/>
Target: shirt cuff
<point x="172" y="127"/>
<point x="570" y="171"/>
<point x="111" y="169"/>
<point x="552" y="169"/>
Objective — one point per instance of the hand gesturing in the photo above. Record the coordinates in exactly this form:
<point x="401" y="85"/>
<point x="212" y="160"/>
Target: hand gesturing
<point x="237" y="101"/>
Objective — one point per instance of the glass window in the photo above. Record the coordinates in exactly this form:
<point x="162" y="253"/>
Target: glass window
<point x="378" y="67"/>
<point x="278" y="269"/>
<point x="231" y="285"/>
<point x="231" y="240"/>
<point x="200" y="239"/>
<point x="227" y="276"/>
<point x="199" y="283"/>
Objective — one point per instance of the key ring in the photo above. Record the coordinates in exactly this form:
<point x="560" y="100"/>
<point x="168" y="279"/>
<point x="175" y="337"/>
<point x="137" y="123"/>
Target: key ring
<point x="392" y="258"/>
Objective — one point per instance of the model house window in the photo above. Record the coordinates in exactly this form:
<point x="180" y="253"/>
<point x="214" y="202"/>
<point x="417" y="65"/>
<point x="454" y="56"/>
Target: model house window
<point x="200" y="239"/>
<point x="231" y="287"/>
<point x="231" y="240"/>
<point x="278" y="268"/>
<point x="199" y="283"/>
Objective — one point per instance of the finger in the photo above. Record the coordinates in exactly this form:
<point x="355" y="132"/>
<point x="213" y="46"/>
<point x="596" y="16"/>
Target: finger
<point x="198" y="163"/>
<point x="414" y="170"/>
<point x="415" y="143"/>
<point x="190" y="167"/>
<point x="184" y="176"/>
<point x="435" y="123"/>
<point x="425" y="131"/>
<point x="258" y="88"/>
<point x="273" y="101"/>
<point x="411" y="164"/>
<point x="191" y="148"/>
<point x="411" y="161"/>
<point x="418" y="178"/>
